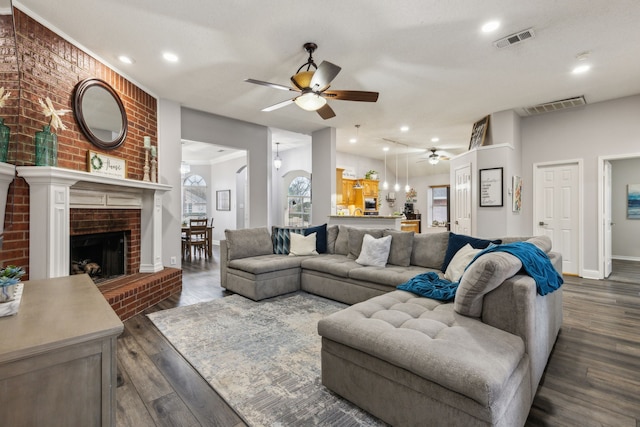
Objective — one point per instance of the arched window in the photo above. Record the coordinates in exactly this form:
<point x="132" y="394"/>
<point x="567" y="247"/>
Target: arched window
<point x="299" y="202"/>
<point x="194" y="202"/>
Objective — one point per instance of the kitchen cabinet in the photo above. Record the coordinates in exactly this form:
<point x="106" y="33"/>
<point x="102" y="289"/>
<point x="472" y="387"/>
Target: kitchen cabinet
<point x="370" y="188"/>
<point x="348" y="193"/>
<point x="339" y="191"/>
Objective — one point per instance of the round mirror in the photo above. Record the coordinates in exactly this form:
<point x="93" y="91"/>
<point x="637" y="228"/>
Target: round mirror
<point x="100" y="113"/>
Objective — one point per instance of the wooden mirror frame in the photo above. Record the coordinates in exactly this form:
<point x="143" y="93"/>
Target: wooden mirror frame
<point x="80" y="91"/>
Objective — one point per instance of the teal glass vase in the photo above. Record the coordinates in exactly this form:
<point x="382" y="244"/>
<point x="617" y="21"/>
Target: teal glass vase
<point x="46" y="147"/>
<point x="4" y="141"/>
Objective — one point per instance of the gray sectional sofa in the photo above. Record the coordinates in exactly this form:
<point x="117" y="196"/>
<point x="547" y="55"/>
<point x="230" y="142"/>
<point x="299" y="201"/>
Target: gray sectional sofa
<point x="411" y="360"/>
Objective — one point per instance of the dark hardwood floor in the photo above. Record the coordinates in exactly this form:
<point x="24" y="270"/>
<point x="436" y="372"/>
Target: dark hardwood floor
<point x="592" y="379"/>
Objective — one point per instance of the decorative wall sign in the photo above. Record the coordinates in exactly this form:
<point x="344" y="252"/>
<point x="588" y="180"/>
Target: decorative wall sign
<point x="633" y="201"/>
<point x="491" y="187"/>
<point x="223" y="200"/>
<point x="102" y="164"/>
<point x="516" y="203"/>
<point x="478" y="132"/>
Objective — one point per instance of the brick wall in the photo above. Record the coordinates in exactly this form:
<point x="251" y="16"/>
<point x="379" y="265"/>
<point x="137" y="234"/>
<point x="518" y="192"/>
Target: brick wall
<point x="50" y="66"/>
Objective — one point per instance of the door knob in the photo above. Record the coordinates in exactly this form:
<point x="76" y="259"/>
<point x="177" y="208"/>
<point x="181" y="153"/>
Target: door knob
<point x="542" y="224"/>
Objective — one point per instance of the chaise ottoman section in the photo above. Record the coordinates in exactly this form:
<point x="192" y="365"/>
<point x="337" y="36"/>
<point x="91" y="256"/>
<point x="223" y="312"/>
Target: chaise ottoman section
<point x="415" y="361"/>
<point x="264" y="276"/>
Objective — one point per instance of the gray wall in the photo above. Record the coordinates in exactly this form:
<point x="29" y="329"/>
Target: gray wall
<point x="601" y="129"/>
<point x="625" y="232"/>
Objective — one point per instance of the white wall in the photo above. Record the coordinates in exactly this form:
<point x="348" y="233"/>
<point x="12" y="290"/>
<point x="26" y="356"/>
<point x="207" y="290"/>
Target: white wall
<point x="600" y="129"/>
<point x="293" y="159"/>
<point x="169" y="158"/>
<point x="624" y="172"/>
<point x="223" y="177"/>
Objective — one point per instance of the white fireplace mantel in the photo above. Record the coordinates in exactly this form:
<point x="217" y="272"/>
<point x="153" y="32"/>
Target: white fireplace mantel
<point x="49" y="217"/>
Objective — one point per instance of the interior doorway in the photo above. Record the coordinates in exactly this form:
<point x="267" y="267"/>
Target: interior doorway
<point x="558" y="210"/>
<point x="618" y="256"/>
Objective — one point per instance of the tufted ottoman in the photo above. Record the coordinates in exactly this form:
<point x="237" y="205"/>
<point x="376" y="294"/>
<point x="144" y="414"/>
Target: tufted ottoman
<point x="415" y="361"/>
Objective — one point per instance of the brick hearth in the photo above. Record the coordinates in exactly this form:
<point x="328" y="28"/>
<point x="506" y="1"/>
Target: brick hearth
<point x="133" y="294"/>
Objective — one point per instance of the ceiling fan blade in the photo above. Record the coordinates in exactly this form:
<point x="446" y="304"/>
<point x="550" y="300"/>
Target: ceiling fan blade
<point x="326" y="112"/>
<point x="272" y="85"/>
<point x="351" y="95"/>
<point x="278" y="105"/>
<point x="323" y="76"/>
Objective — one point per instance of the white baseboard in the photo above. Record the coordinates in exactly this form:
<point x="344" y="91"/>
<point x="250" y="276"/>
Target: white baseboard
<point x="626" y="258"/>
<point x="591" y="274"/>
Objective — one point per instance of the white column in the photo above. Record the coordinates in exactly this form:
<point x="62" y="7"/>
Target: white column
<point x="151" y="232"/>
<point x="48" y="223"/>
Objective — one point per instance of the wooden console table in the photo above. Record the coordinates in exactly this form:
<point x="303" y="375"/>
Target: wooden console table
<point x="58" y="356"/>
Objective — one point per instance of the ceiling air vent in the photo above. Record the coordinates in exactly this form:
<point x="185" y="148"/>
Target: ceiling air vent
<point x="514" y="38"/>
<point x="555" y="105"/>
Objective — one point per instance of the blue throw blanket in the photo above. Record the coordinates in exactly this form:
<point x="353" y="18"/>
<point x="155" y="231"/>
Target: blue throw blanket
<point x="534" y="262"/>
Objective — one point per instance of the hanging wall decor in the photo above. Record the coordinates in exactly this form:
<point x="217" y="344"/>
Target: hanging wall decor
<point x="490" y="187"/>
<point x="633" y="201"/>
<point x="516" y="203"/>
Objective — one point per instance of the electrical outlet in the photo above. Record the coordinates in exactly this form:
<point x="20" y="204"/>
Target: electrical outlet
<point x="174" y="260"/>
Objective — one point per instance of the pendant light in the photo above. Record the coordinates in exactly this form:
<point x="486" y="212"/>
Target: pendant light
<point x="277" y="162"/>
<point x="397" y="186"/>
<point x="406" y="187"/>
<point x="385" y="184"/>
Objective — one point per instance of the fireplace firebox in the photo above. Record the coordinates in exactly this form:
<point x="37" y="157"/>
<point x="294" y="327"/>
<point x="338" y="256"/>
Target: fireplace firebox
<point x="101" y="255"/>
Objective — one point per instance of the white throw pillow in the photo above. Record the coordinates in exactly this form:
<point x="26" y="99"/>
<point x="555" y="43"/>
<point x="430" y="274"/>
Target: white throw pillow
<point x="302" y="245"/>
<point x="374" y="251"/>
<point x="459" y="262"/>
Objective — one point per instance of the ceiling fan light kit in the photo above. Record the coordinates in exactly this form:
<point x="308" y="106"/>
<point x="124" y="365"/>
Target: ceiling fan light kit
<point x="312" y="84"/>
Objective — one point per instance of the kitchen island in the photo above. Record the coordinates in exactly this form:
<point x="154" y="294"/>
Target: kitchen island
<point x="367" y="221"/>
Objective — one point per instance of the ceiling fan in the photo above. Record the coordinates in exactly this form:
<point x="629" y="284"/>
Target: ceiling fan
<point x="434" y="157"/>
<point x="313" y="85"/>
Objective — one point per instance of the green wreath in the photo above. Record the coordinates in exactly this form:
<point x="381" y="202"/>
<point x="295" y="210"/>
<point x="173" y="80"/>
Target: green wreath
<point x="96" y="162"/>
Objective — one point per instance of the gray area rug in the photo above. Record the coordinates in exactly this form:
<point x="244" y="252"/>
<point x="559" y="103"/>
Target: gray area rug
<point x="263" y="357"/>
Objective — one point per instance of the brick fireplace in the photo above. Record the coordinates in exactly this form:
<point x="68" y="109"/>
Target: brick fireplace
<point x="64" y="202"/>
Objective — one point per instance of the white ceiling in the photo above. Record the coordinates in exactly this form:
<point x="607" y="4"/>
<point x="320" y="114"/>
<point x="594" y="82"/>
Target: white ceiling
<point x="435" y="70"/>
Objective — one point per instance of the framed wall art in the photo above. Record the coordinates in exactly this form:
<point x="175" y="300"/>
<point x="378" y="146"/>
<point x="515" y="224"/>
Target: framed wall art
<point x="223" y="200"/>
<point x="516" y="203"/>
<point x="491" y="187"/>
<point x="478" y="133"/>
<point x="633" y="201"/>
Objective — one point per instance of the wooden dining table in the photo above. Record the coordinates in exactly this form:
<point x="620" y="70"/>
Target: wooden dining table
<point x="209" y="237"/>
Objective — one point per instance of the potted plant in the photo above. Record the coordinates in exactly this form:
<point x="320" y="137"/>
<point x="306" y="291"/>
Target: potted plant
<point x="9" y="279"/>
<point x="371" y="174"/>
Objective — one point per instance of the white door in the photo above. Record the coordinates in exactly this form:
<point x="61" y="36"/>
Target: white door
<point x="462" y="209"/>
<point x="608" y="221"/>
<point x="556" y="211"/>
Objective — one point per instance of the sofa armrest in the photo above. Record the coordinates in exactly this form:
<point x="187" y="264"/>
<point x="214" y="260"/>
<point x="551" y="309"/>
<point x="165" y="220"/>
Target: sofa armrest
<point x="224" y="260"/>
<point x="516" y="307"/>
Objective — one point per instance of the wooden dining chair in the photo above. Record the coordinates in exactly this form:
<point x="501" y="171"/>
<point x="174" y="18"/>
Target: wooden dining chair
<point x="198" y="237"/>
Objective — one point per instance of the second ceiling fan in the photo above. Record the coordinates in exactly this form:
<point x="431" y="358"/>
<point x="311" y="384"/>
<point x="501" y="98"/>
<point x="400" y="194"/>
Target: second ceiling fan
<point x="312" y="86"/>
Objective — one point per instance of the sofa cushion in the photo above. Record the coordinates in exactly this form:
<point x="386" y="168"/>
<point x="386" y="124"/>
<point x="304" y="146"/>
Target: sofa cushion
<point x="248" y="242"/>
<point x="374" y="252"/>
<point x="401" y="247"/>
<point x="431" y="340"/>
<point x="303" y="245"/>
<point x="265" y="263"/>
<point x="457" y="241"/>
<point x="459" y="262"/>
<point x="337" y="265"/>
<point x="281" y="238"/>
<point x="355" y="239"/>
<point x="392" y="275"/>
<point x="542" y="242"/>
<point x="321" y="237"/>
<point x="484" y="275"/>
<point x="342" y="240"/>
<point x="332" y="235"/>
<point x="429" y="249"/>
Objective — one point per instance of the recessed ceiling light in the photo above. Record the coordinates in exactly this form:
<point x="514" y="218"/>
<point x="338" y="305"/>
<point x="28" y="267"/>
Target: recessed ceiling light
<point x="490" y="26"/>
<point x="171" y="57"/>
<point x="385" y="149"/>
<point x="126" y="59"/>
<point x="404" y="129"/>
<point x="581" y="69"/>
<point x="353" y="140"/>
<point x="435" y="139"/>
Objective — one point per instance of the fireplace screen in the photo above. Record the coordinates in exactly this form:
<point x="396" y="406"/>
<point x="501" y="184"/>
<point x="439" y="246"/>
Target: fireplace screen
<point x="102" y="256"/>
